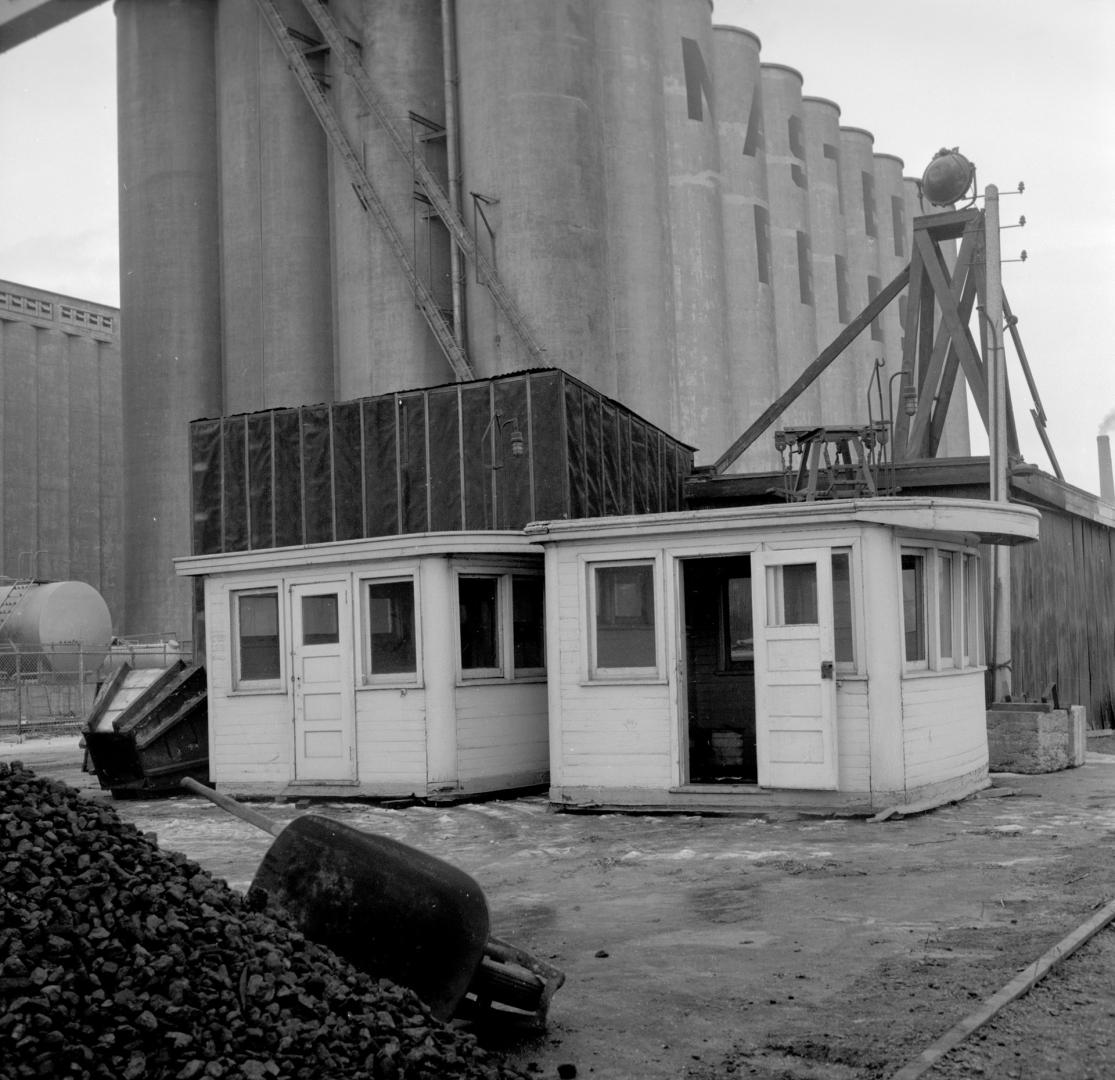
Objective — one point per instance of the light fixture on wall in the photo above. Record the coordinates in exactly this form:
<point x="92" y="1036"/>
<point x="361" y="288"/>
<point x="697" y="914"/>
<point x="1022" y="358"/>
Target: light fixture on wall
<point x="515" y="439"/>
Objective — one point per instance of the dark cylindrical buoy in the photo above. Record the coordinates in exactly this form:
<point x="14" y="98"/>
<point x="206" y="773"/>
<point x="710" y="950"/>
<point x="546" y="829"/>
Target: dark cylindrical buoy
<point x="391" y="910"/>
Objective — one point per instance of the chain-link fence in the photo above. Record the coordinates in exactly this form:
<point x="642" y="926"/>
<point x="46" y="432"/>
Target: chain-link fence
<point x="51" y="691"/>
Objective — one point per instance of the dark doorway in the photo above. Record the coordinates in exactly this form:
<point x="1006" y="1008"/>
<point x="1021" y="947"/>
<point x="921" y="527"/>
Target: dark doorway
<point x="720" y="670"/>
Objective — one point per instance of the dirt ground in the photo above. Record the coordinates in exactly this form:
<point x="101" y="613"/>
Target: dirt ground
<point x="783" y="947"/>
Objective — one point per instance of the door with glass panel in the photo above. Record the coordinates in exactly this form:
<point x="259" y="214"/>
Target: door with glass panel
<point x="324" y="697"/>
<point x="795" y="660"/>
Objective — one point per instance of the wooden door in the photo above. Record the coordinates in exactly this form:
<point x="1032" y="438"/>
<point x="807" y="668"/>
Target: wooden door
<point x="324" y="698"/>
<point x="795" y="687"/>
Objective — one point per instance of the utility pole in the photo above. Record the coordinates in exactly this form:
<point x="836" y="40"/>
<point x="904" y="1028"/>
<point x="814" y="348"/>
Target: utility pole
<point x="999" y="463"/>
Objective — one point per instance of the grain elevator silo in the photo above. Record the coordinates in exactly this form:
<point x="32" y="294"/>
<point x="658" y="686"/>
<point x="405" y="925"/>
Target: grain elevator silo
<point x="636" y="198"/>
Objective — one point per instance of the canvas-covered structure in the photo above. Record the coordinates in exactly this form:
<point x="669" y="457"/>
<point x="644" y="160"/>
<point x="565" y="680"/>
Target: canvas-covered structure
<point x="488" y="454"/>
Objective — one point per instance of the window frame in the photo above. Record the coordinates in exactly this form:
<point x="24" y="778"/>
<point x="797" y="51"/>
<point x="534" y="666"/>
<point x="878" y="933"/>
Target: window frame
<point x="505" y="671"/>
<point x="918" y="663"/>
<point x="640" y="674"/>
<point x="966" y="599"/>
<point x="240" y="684"/>
<point x="368" y="676"/>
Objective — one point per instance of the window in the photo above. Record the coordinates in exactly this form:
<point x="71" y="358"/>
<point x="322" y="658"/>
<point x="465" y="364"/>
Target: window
<point x="528" y="605"/>
<point x="973" y="605"/>
<point x="479" y="615"/>
<point x="319" y="620"/>
<point x="842" y="625"/>
<point x="739" y="631"/>
<point x="944" y="608"/>
<point x="793" y="590"/>
<point x="941" y="603"/>
<point x="913" y="607"/>
<point x="502" y="626"/>
<point x="624" y="639"/>
<point x="256" y="631"/>
<point x="392" y="643"/>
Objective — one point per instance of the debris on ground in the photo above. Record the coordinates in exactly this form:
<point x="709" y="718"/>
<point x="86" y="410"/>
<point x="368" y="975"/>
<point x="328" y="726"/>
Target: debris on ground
<point x="119" y="960"/>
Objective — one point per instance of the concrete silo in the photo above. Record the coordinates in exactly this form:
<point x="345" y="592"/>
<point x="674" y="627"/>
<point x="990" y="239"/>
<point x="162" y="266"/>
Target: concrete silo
<point x="791" y="244"/>
<point x="745" y="210"/>
<point x="708" y="420"/>
<point x="826" y="217"/>
<point x="169" y="287"/>
<point x="383" y="342"/>
<point x="275" y="260"/>
<point x="532" y="158"/>
<point x="640" y="259"/>
<point x="857" y="170"/>
<point x="892" y="250"/>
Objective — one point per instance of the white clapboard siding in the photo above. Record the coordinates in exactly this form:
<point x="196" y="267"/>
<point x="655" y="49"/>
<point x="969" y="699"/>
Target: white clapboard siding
<point x="391" y="739"/>
<point x="502" y="730"/>
<point x="853" y="735"/>
<point x="251" y="738"/>
<point x="945" y="729"/>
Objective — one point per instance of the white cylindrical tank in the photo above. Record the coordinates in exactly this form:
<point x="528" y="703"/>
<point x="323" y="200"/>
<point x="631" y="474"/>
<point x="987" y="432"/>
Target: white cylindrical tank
<point x="531" y="155"/>
<point x="68" y="621"/>
<point x="696" y="227"/>
<point x="169" y="288"/>
<point x="384" y="342"/>
<point x="640" y="263"/>
<point x="857" y="170"/>
<point x="748" y="278"/>
<point x="277" y="311"/>
<point x="826" y="227"/>
<point x="791" y="243"/>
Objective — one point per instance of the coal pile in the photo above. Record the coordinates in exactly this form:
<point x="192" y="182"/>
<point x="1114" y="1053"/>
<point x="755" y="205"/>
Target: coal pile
<point x="121" y="961"/>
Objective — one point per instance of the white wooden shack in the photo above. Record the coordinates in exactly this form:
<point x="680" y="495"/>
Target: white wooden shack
<point x="819" y="655"/>
<point x="392" y="667"/>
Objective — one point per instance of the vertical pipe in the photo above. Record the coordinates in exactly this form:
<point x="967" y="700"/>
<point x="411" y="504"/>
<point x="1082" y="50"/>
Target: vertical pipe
<point x="788" y="182"/>
<point x="1107" y="481"/>
<point x="169" y="287"/>
<point x="745" y="208"/>
<point x="637" y="208"/>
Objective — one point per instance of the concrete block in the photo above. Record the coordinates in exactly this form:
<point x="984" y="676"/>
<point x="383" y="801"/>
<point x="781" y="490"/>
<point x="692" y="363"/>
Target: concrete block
<point x="1034" y="741"/>
<point x="1078" y="734"/>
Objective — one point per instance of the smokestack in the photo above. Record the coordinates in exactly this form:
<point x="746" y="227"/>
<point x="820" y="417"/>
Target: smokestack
<point x="1107" y="483"/>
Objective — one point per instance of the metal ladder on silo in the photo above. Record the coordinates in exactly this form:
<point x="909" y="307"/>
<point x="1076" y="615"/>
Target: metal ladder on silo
<point x="370" y="200"/>
<point x="12" y="600"/>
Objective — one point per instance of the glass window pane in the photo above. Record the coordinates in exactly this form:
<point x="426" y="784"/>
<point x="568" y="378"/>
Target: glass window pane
<point x="319" y="620"/>
<point x="913" y="605"/>
<point x="258" y="629"/>
<point x="944" y="603"/>
<point x="528" y="616"/>
<point x="625" y="617"/>
<point x="741" y="633"/>
<point x="391" y="627"/>
<point x="842" y="607"/>
<point x="793" y="592"/>
<point x="973" y="600"/>
<point x="479" y="622"/>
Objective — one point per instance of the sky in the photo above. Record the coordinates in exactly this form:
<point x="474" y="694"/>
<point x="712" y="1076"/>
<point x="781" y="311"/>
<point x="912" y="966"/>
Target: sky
<point x="1025" y="89"/>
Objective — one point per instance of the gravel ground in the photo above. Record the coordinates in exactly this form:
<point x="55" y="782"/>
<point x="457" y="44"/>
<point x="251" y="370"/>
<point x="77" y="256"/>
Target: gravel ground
<point x="778" y="947"/>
